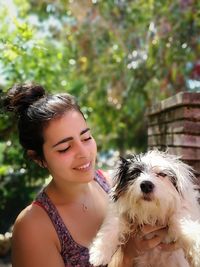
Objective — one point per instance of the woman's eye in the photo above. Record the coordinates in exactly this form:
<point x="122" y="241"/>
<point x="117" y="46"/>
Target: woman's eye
<point x="63" y="150"/>
<point x="86" y="139"/>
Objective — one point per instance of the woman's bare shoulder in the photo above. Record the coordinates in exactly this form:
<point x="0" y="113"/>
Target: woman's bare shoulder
<point x="34" y="222"/>
<point x="33" y="238"/>
<point x="32" y="216"/>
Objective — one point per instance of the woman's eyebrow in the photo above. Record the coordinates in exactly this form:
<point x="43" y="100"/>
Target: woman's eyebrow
<point x="70" y="138"/>
<point x="84" y="131"/>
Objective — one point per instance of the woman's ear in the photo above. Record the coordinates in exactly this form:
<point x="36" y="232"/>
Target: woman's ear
<point x="33" y="155"/>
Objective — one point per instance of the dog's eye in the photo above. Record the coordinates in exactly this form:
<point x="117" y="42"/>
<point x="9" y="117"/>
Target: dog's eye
<point x="135" y="173"/>
<point x="162" y="174"/>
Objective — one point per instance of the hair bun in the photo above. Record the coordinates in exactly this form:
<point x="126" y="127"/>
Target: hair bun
<point x="21" y="96"/>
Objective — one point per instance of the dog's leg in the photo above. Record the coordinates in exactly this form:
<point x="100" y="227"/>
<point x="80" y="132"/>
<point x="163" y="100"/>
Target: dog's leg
<point x="190" y="241"/>
<point x="186" y="232"/>
<point x="117" y="258"/>
<point x="106" y="242"/>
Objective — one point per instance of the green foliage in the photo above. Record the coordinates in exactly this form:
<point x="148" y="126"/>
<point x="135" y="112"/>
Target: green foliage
<point x="15" y="194"/>
<point x="19" y="182"/>
<point x="116" y="57"/>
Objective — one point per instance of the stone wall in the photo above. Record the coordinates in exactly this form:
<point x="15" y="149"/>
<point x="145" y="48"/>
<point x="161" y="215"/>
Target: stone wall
<point x="174" y="124"/>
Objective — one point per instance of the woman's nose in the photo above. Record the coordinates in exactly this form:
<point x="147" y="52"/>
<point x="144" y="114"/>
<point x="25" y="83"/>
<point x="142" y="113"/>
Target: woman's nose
<point x="81" y="150"/>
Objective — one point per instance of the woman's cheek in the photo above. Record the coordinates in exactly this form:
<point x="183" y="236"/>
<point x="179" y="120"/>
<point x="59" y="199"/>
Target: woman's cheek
<point x="94" y="145"/>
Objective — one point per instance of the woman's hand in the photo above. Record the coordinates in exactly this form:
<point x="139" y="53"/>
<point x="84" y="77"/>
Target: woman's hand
<point x="148" y="238"/>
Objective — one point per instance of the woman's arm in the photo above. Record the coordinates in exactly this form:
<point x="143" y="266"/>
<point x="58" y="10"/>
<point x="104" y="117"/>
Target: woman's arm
<point x="34" y="243"/>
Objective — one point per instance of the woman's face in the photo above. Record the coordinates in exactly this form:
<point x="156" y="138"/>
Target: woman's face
<point x="69" y="149"/>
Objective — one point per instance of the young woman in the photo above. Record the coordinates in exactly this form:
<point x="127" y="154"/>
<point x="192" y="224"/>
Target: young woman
<point x="58" y="227"/>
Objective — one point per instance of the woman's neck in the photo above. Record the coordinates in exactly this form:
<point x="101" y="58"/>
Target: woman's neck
<point x="67" y="193"/>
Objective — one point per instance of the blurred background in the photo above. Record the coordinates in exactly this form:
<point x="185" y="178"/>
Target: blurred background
<point x="118" y="57"/>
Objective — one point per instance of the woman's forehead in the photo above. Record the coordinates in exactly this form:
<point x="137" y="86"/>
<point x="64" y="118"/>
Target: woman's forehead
<point x="70" y="124"/>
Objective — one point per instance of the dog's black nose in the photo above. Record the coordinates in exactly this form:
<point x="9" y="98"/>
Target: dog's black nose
<point x="147" y="187"/>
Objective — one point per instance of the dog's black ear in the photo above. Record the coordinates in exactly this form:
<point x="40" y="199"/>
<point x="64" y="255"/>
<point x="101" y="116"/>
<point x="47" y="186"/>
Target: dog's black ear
<point x="123" y="167"/>
<point x="130" y="156"/>
<point x="134" y="157"/>
<point x="120" y="177"/>
<point x="123" y="160"/>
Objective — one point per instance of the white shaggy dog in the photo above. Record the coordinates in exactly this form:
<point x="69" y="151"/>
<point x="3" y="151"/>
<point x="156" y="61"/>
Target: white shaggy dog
<point x="157" y="189"/>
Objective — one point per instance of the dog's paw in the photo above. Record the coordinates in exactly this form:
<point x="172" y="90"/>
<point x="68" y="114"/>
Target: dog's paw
<point x="99" y="258"/>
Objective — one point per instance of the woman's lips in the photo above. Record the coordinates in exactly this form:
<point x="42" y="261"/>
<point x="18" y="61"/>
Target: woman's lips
<point x="83" y="167"/>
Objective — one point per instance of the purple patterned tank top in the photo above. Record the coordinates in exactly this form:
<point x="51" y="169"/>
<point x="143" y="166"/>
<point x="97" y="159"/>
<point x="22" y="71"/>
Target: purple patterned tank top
<point x="73" y="254"/>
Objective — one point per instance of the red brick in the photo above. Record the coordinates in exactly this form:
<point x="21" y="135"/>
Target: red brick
<point x="186" y="153"/>
<point x="182" y="126"/>
<point x="180" y="99"/>
<point x="181" y="140"/>
<point x="171" y="115"/>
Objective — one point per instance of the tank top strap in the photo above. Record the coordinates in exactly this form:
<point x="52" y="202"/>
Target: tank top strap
<point x="101" y="180"/>
<point x="66" y="240"/>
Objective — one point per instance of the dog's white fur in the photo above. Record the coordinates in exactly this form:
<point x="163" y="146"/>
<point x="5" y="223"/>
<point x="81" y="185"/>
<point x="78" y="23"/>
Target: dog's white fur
<point x="178" y="208"/>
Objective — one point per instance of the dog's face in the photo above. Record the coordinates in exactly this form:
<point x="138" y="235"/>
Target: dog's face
<point x="149" y="188"/>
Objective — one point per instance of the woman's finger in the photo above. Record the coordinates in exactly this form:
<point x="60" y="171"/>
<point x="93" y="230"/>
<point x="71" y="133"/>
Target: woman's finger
<point x="169" y="247"/>
<point x="149" y="241"/>
<point x="147" y="229"/>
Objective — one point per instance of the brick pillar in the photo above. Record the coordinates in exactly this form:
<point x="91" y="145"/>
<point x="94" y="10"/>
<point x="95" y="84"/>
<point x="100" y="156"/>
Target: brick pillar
<point x="174" y="123"/>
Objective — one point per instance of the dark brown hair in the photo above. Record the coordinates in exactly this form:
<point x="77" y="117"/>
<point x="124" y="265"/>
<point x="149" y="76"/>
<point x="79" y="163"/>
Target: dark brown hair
<point x="34" y="109"/>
